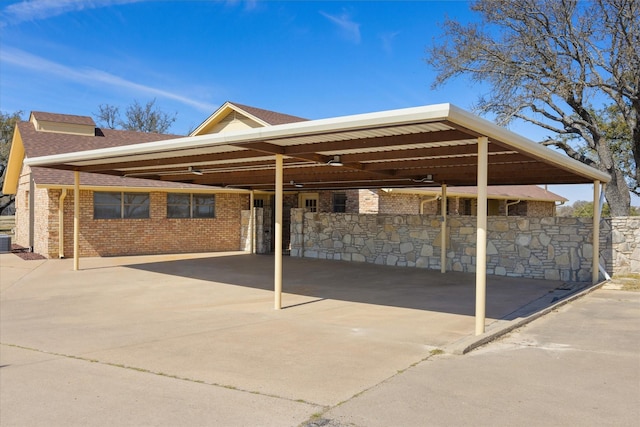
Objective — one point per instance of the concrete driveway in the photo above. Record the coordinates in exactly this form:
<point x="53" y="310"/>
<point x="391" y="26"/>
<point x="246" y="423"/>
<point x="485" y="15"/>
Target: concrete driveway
<point x="194" y="339"/>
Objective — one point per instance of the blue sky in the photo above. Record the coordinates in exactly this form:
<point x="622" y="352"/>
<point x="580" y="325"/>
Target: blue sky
<point x="311" y="59"/>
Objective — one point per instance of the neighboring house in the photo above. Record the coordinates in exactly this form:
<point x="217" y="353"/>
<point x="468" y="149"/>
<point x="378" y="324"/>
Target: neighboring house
<point x="129" y="215"/>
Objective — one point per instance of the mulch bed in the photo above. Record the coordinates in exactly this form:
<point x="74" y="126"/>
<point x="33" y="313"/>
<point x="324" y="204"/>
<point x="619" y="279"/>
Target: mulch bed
<point x="24" y="253"/>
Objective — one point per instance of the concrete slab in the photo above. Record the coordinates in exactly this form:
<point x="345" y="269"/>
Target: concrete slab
<point x="209" y="318"/>
<point x="579" y="365"/>
<point x="12" y="269"/>
<point x="39" y="389"/>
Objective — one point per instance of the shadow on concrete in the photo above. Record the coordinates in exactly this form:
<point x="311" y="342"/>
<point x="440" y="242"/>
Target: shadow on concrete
<point x="412" y="288"/>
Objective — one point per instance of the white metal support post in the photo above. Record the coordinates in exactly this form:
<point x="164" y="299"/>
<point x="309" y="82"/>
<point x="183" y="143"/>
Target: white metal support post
<point x="251" y="231"/>
<point x="443" y="230"/>
<point x="76" y="221"/>
<point x="481" y="238"/>
<point x="63" y="195"/>
<point x="595" y="273"/>
<point x="277" y="278"/>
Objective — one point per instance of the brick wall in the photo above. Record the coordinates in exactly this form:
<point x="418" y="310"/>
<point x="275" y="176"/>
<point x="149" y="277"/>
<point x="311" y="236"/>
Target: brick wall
<point x="395" y="203"/>
<point x="154" y="235"/>
<point x="368" y="201"/>
<point x="22" y="209"/>
<point x="540" y="209"/>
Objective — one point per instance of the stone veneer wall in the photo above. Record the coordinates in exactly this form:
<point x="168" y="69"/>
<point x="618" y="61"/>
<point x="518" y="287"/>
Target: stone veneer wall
<point x="543" y="248"/>
<point x="622" y="246"/>
<point x="262" y="239"/>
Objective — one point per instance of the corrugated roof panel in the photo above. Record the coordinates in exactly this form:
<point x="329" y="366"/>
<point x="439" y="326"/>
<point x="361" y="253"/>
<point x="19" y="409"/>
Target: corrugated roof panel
<point x="448" y="156"/>
<point x="362" y="133"/>
<point x="397" y="147"/>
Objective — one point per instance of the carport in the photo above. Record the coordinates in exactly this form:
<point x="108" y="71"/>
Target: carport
<point x="436" y="145"/>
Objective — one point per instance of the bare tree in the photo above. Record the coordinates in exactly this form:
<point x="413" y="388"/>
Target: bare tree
<point x="572" y="68"/>
<point x="108" y="116"/>
<point x="147" y="118"/>
<point x="141" y="118"/>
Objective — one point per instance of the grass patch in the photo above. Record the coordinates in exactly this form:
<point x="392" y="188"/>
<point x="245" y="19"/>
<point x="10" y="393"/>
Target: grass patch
<point x="629" y="281"/>
<point x="436" y="351"/>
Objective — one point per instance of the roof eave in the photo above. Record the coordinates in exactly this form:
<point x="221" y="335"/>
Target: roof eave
<point x="491" y="130"/>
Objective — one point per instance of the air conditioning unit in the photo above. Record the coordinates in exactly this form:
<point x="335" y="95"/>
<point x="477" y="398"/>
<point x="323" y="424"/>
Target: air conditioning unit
<point x="5" y="243"/>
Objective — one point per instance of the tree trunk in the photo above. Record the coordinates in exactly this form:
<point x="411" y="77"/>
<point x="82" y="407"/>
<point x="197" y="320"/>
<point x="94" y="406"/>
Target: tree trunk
<point x="617" y="191"/>
<point x="635" y="148"/>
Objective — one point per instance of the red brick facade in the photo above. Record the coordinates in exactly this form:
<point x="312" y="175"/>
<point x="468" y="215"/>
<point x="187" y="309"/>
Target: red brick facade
<point x="110" y="237"/>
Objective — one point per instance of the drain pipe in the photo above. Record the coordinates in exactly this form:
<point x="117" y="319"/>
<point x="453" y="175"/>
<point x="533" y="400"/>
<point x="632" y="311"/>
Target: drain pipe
<point x="63" y="195"/>
<point x="32" y="211"/>
<point x="422" y="203"/>
<point x="510" y="204"/>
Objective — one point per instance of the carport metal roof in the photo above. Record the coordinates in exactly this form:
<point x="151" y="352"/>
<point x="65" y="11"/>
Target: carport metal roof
<point x="401" y="148"/>
<point x="398" y="148"/>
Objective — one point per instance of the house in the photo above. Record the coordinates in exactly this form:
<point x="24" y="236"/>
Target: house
<point x="503" y="200"/>
<point x="122" y="215"/>
<point x="128" y="215"/>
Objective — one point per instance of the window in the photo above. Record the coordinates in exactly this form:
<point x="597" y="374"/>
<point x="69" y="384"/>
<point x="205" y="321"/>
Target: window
<point x="311" y="205"/>
<point x="466" y="207"/>
<point x="261" y="201"/>
<point x="191" y="205"/>
<point x="115" y="205"/>
<point x="309" y="201"/>
<point x="339" y="202"/>
<point x="518" y="209"/>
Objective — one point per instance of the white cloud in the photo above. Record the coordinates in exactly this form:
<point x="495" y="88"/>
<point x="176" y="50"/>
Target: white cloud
<point x="33" y="10"/>
<point x="387" y="41"/>
<point x="349" y="28"/>
<point x="91" y="76"/>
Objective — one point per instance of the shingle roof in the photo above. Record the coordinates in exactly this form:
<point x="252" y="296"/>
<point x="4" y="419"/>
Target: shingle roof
<point x="63" y="118"/>
<point x="271" y="117"/>
<point x="47" y="143"/>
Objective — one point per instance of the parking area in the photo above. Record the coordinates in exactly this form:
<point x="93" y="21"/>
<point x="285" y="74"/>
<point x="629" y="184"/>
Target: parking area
<point x="208" y="319"/>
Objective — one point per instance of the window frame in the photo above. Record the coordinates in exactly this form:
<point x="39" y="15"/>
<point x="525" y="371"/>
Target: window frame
<point x="192" y="206"/>
<point x="339" y="202"/>
<point x="125" y="207"/>
<point x="312" y="198"/>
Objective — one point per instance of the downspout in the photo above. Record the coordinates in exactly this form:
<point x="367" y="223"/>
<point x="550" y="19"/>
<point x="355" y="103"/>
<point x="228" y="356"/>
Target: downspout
<point x="32" y="212"/>
<point x="507" y="204"/>
<point x="63" y="195"/>
<point x="422" y="203"/>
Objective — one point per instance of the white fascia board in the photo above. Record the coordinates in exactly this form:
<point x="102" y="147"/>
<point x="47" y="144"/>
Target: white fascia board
<point x="106" y="188"/>
<point x="337" y="124"/>
<point x="522" y="144"/>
